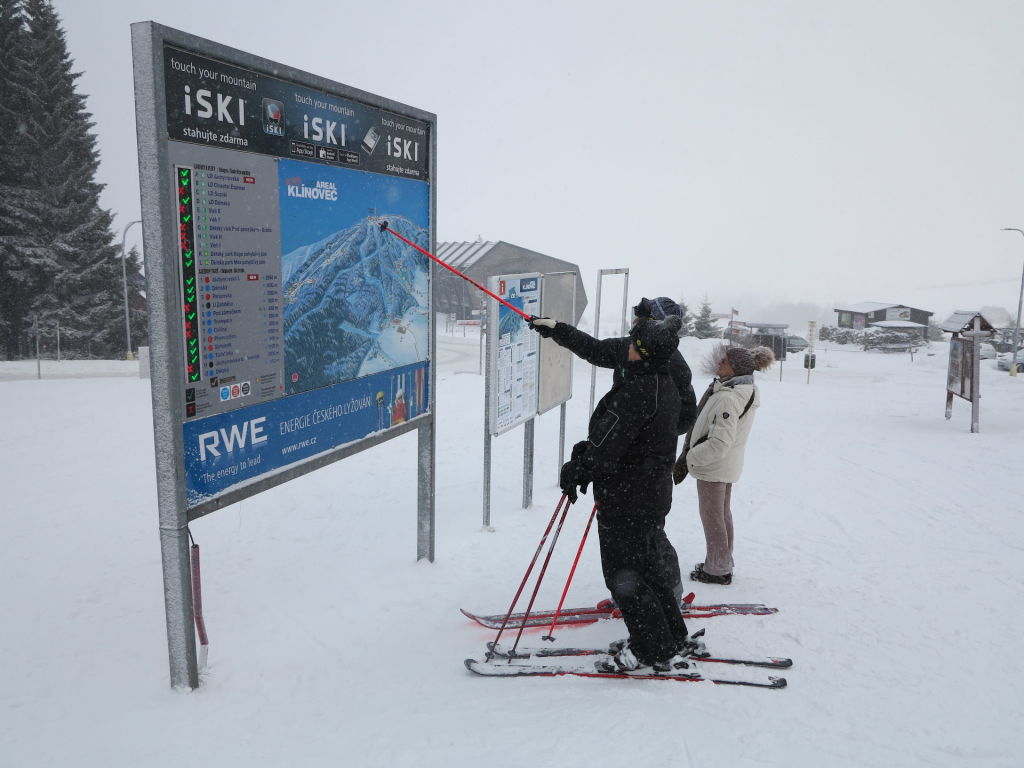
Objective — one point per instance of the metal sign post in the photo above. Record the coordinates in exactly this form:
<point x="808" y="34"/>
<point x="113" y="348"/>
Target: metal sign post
<point x="487" y="430"/>
<point x="810" y="359"/>
<point x="597" y="318"/>
<point x="963" y="377"/>
<point x="261" y="186"/>
<point x="524" y="377"/>
<point x="512" y="378"/>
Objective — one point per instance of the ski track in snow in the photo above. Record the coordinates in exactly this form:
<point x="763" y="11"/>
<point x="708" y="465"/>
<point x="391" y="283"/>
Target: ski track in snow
<point x="889" y="538"/>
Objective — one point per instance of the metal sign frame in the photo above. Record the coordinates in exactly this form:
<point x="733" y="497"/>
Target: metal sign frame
<point x="963" y="374"/>
<point x="494" y="312"/>
<point x="597" y="318"/>
<point x="551" y="354"/>
<point x="161" y="238"/>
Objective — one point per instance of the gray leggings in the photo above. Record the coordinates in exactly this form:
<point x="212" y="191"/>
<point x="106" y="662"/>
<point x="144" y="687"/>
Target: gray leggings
<point x="716" y="516"/>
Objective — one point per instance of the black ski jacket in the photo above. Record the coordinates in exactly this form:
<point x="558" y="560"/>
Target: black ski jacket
<point x="614" y="353"/>
<point x="631" y="442"/>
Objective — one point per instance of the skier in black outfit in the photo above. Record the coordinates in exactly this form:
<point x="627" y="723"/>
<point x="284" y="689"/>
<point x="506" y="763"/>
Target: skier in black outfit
<point x="628" y="456"/>
<point x="612" y="353"/>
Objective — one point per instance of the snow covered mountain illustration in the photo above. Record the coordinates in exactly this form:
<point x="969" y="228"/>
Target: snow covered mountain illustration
<point x="355" y="303"/>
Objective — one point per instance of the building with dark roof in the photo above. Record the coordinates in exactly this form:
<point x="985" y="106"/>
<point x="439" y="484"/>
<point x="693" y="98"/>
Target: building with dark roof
<point x="873" y="313"/>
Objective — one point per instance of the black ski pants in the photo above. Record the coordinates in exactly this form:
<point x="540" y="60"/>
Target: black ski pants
<point x="670" y="560"/>
<point x="632" y="559"/>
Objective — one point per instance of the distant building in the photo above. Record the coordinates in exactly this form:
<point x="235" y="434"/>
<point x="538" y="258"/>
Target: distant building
<point x="874" y="314"/>
<point x="962" y="321"/>
<point x="771" y="335"/>
<point x="483" y="259"/>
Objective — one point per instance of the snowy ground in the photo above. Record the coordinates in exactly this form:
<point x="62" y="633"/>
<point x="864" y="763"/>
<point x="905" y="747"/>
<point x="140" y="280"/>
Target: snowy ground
<point x="891" y="540"/>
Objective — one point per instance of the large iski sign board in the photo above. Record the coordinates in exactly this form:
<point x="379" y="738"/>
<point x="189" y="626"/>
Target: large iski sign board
<point x="288" y="329"/>
<point x="301" y="325"/>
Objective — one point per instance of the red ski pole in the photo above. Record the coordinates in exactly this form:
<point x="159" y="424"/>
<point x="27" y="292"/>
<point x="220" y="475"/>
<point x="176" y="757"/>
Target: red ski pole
<point x="529" y="570"/>
<point x="536" y="588"/>
<point x="551" y="632"/>
<point x="385" y="228"/>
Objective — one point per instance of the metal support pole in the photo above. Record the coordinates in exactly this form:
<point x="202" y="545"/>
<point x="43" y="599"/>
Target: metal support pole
<point x="975" y="337"/>
<point x="625" y="304"/>
<point x="976" y="378"/>
<point x="178" y="608"/>
<point x="166" y="345"/>
<point x="1016" y="327"/>
<point x="425" y="490"/>
<point x="597" y="318"/>
<point x="1020" y="302"/>
<point x="426" y="441"/>
<point x="35" y="330"/>
<point x="124" y="278"/>
<point x="483" y="332"/>
<point x="597" y="335"/>
<point x="528" y="442"/>
<point x="487" y="431"/>
<point x="58" y="341"/>
<point x="561" y="442"/>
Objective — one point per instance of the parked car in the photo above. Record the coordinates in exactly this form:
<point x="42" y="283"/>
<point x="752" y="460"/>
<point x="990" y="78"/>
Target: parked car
<point x="1004" y="361"/>
<point x="796" y="344"/>
<point x="987" y="352"/>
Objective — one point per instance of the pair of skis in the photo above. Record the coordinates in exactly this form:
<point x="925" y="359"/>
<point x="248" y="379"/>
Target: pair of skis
<point x="606" y="610"/>
<point x="579" y="662"/>
<point x="692" y="675"/>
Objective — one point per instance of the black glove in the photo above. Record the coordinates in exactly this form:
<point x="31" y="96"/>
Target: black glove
<point x="573" y="474"/>
<point x="545" y="326"/>
<point x="680" y="470"/>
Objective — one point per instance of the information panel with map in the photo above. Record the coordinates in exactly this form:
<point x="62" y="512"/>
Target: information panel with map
<point x="303" y="325"/>
<point x="515" y="364"/>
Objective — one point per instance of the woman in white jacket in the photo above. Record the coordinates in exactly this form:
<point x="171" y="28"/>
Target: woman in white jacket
<point x="713" y="452"/>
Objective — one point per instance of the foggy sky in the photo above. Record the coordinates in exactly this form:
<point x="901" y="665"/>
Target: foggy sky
<point x="781" y="158"/>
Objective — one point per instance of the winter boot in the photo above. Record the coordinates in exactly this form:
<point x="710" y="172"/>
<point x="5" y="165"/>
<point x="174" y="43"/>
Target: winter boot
<point x="622" y="661"/>
<point x="672" y="664"/>
<point x="617" y="645"/>
<point x="699" y="574"/>
<point x="693" y="646"/>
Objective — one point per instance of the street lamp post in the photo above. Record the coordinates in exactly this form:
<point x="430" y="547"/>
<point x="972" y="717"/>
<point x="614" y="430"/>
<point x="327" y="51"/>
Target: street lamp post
<point x="1020" y="302"/>
<point x="124" y="278"/>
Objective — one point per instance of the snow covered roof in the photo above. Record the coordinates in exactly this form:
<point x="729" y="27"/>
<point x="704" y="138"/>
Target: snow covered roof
<point x="752" y="324"/>
<point x="963" y="320"/>
<point x="463" y="255"/>
<point x="865" y="307"/>
<point x="896" y="324"/>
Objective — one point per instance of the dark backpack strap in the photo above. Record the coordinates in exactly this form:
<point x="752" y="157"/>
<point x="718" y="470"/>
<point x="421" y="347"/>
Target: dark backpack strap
<point x="750" y="402"/>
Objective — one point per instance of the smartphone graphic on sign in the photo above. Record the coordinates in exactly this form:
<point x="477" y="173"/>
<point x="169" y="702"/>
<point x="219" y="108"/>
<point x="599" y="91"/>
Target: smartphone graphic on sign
<point x="370" y="140"/>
